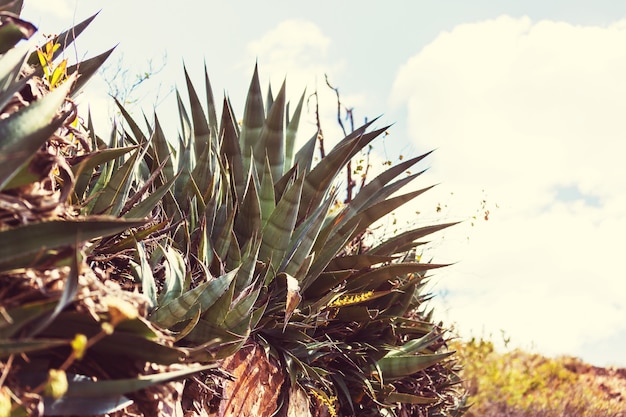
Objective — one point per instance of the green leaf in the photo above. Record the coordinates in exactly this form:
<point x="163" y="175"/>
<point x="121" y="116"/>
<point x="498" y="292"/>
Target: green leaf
<point x="280" y="225"/>
<point x="202" y="133"/>
<point x="22" y="346"/>
<point x="64" y="39"/>
<point x="271" y="141"/>
<point x="143" y="273"/>
<point x="175" y="272"/>
<point x="14" y="319"/>
<point x="96" y="389"/>
<point x="204" y="295"/>
<point x="31" y="240"/>
<point x="211" y="111"/>
<point x="401" y="397"/>
<point x="13" y="30"/>
<point x="70" y="288"/>
<point x="394" y="367"/>
<point x="253" y="120"/>
<point x="115" y="193"/>
<point x="414" y="346"/>
<point x="10" y="67"/>
<point x="395" y="243"/>
<point x="87" y="69"/>
<point x="375" y="278"/>
<point x="83" y="165"/>
<point x="248" y="221"/>
<point x="231" y="150"/>
<point x="133" y="339"/>
<point x="24" y="131"/>
<point x="291" y="133"/>
<point x="145" y="207"/>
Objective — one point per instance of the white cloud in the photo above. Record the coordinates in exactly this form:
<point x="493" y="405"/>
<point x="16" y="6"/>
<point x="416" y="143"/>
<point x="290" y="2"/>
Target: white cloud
<point x="521" y="110"/>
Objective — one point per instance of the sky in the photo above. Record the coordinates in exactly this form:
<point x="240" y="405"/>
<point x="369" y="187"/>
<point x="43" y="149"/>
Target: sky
<point x="523" y="102"/>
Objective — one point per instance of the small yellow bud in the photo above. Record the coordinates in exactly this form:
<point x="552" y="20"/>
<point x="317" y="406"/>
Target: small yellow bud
<point x="79" y="345"/>
<point x="56" y="387"/>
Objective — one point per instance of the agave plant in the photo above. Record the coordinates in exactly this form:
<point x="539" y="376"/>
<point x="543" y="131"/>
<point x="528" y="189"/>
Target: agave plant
<point x="219" y="259"/>
<point x="71" y="341"/>
<point x="250" y="254"/>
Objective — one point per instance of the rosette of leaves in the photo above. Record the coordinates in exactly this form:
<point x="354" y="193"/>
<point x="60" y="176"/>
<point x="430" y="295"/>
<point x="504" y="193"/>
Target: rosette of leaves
<point x="71" y="341"/>
<point x="245" y="249"/>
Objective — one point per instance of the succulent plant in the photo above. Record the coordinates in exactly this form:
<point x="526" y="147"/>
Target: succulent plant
<point x="140" y="260"/>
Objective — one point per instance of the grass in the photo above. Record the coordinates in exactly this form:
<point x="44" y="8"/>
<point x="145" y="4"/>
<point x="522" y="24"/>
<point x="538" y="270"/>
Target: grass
<point x="521" y="384"/>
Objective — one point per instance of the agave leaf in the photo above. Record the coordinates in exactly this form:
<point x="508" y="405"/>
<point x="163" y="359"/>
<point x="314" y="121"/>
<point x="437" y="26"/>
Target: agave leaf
<point x="326" y="253"/>
<point x="201" y="131"/>
<point x="12" y="320"/>
<point x="401" y="397"/>
<point x="22" y="346"/>
<point x="414" y="346"/>
<point x="128" y="242"/>
<point x="383" y="179"/>
<point x="267" y="199"/>
<point x="206" y="330"/>
<point x="391" y="245"/>
<point x="225" y="236"/>
<point x="175" y="272"/>
<point x="270" y="97"/>
<point x="211" y="110"/>
<point x="162" y="150"/>
<point x="235" y="124"/>
<point x="376" y="277"/>
<point x="357" y="262"/>
<point x="79" y="406"/>
<point x="11" y="63"/>
<point x="357" y="313"/>
<point x="292" y="131"/>
<point x="329" y="280"/>
<point x="202" y="174"/>
<point x="115" y="193"/>
<point x="24" y="131"/>
<point x="12" y="6"/>
<point x="64" y="39"/>
<point x="280" y="225"/>
<point x="204" y="295"/>
<point x="393" y="367"/>
<point x="143" y="273"/>
<point x="32" y="239"/>
<point x="303" y="239"/>
<point x="242" y="310"/>
<point x="270" y="143"/>
<point x="248" y="266"/>
<point x="129" y="340"/>
<point x="368" y="216"/>
<point x="230" y="149"/>
<point x="97" y="389"/>
<point x="83" y="165"/>
<point x="12" y="30"/>
<point x="87" y="69"/>
<point x="146" y="184"/>
<point x="253" y="120"/>
<point x="319" y="179"/>
<point x="248" y="221"/>
<point x="216" y="314"/>
<point x="145" y="207"/>
<point x="233" y="257"/>
<point x="70" y="288"/>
